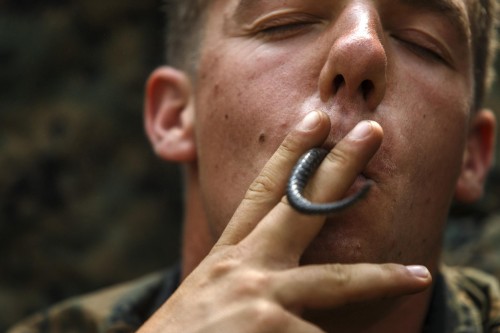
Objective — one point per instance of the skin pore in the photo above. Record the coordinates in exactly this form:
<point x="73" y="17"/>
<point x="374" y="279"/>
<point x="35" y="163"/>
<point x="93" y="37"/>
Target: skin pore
<point x="387" y="86"/>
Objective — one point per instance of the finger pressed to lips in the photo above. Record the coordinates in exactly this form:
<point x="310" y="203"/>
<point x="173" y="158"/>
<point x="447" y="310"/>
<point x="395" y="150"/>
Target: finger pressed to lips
<point x="285" y="233"/>
<point x="345" y="163"/>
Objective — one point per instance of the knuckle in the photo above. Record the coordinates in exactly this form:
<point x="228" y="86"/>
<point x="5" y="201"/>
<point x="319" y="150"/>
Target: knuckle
<point x="268" y="316"/>
<point x="288" y="147"/>
<point x="262" y="185"/>
<point x="340" y="274"/>
<point x="224" y="266"/>
<point x="338" y="157"/>
<point x="268" y="180"/>
<point x="253" y="283"/>
<point x="389" y="269"/>
<point x="392" y="271"/>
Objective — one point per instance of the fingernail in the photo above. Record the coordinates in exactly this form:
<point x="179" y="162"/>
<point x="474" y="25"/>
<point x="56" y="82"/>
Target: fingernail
<point x="419" y="271"/>
<point x="361" y="130"/>
<point x="310" y="121"/>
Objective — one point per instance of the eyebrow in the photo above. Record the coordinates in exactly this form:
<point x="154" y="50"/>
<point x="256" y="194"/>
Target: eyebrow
<point x="244" y="6"/>
<point x="453" y="13"/>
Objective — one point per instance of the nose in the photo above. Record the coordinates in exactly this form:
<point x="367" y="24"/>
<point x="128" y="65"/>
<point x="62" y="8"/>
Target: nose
<point x="357" y="63"/>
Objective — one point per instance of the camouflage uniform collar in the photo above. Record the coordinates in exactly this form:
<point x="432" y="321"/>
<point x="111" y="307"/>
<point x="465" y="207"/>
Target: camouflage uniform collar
<point x="464" y="301"/>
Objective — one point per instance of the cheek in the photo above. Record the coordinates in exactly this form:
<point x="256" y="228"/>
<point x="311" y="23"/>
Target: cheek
<point x="429" y="115"/>
<point x="243" y="114"/>
<point x="426" y="143"/>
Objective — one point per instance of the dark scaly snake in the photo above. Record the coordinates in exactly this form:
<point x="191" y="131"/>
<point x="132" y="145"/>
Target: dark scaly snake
<point x="301" y="173"/>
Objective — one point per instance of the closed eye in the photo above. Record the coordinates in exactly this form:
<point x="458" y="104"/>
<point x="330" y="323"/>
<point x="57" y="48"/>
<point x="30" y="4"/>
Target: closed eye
<point x="285" y="30"/>
<point x="278" y="27"/>
<point x="424" y="52"/>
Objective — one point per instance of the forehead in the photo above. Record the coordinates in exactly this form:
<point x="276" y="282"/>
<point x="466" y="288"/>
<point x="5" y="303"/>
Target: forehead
<point x="455" y="11"/>
<point x="439" y="4"/>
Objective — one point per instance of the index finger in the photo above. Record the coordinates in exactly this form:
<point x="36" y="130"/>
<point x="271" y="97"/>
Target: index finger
<point x="267" y="189"/>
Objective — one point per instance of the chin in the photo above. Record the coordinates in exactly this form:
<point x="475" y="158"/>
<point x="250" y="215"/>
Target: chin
<point x="345" y="241"/>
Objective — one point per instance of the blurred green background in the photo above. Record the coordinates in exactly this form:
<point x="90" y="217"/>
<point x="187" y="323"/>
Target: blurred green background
<point x="84" y="201"/>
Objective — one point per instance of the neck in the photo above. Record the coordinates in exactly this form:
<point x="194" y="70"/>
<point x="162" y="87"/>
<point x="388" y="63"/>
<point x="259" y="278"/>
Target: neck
<point x="197" y="237"/>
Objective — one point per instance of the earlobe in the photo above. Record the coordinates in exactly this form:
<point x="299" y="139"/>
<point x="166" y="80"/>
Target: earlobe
<point x="478" y="158"/>
<point x="169" y="115"/>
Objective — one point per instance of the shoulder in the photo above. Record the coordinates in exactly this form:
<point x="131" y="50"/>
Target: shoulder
<point x="92" y="312"/>
<point x="475" y="294"/>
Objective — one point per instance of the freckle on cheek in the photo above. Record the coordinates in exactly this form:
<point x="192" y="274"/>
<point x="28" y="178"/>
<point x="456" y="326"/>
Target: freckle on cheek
<point x="262" y="138"/>
<point x="226" y="116"/>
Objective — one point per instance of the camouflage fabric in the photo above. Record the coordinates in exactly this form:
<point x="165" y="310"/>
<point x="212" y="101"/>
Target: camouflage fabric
<point x="474" y="241"/>
<point x="118" y="309"/>
<point x="464" y="301"/>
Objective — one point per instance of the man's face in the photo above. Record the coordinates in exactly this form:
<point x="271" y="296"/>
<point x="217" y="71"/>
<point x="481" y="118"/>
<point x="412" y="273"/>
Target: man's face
<point x="405" y="64"/>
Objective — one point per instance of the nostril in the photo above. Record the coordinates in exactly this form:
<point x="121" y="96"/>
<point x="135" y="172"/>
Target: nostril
<point x="366" y="88"/>
<point x="338" y="82"/>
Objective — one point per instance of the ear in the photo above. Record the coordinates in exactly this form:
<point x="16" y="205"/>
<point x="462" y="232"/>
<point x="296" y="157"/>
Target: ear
<point x="478" y="157"/>
<point x="169" y="115"/>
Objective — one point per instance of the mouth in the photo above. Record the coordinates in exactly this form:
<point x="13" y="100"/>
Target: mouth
<point x="360" y="189"/>
<point x="370" y="174"/>
<point x="301" y="174"/>
<point x="365" y="178"/>
<point x="359" y="183"/>
<point x="361" y="180"/>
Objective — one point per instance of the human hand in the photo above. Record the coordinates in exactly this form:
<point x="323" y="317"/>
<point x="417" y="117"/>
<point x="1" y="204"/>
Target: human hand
<point x="251" y="281"/>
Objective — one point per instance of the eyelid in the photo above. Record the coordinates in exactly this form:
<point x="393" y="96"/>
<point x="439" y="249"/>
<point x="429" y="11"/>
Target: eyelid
<point x="425" y="41"/>
<point x="280" y="17"/>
